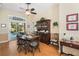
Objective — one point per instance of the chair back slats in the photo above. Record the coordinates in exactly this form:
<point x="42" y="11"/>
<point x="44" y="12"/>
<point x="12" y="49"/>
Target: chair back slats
<point x="26" y="44"/>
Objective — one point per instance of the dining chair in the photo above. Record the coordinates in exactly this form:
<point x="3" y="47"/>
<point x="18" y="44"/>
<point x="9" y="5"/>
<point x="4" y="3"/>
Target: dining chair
<point x="34" y="45"/>
<point x="22" y="44"/>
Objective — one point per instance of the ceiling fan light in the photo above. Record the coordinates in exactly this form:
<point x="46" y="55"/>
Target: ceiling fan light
<point x="27" y="12"/>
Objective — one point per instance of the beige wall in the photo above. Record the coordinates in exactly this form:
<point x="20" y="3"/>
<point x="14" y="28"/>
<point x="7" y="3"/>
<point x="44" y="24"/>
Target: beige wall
<point x="47" y="10"/>
<point x="55" y="17"/>
<point x="4" y="19"/>
<point x="64" y="10"/>
<point x="3" y="37"/>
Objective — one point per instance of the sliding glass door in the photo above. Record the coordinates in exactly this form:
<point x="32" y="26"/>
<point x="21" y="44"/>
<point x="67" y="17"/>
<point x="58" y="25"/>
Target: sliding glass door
<point x="15" y="28"/>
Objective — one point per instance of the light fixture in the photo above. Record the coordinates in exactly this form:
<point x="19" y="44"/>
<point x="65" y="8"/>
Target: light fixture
<point x="27" y="13"/>
<point x="29" y="10"/>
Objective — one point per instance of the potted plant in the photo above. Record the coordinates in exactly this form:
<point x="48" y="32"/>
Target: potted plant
<point x="42" y="19"/>
<point x="55" y="23"/>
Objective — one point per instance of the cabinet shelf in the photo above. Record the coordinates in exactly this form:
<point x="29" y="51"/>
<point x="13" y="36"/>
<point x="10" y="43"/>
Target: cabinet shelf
<point x="43" y="30"/>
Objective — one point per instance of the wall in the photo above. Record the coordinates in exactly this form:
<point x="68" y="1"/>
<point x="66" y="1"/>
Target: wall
<point x="64" y="10"/>
<point x="55" y="17"/>
<point x="49" y="11"/>
<point x="4" y="19"/>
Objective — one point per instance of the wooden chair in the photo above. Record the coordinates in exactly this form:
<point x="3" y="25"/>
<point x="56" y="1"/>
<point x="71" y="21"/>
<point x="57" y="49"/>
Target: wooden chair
<point x="34" y="45"/>
<point x="22" y="45"/>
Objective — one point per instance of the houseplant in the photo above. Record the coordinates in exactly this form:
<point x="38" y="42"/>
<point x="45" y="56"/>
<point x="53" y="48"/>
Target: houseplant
<point x="55" y="23"/>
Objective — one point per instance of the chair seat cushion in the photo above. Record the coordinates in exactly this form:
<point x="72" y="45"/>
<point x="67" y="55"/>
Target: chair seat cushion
<point x="33" y="44"/>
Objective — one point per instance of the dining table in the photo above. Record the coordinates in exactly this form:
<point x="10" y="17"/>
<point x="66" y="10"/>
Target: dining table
<point x="32" y="37"/>
<point x="28" y="43"/>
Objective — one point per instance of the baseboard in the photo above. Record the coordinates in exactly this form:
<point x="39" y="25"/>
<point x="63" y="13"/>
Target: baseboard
<point x="4" y="41"/>
<point x="66" y="54"/>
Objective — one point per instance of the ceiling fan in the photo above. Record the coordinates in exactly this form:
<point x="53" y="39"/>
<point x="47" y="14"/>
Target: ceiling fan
<point x="30" y="10"/>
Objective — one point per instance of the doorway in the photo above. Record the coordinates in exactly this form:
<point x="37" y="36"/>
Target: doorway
<point x="15" y="28"/>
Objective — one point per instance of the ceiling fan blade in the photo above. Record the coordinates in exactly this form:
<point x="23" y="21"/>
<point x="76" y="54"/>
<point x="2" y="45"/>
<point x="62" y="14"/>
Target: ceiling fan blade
<point x="33" y="13"/>
<point x="32" y="9"/>
<point x="27" y="9"/>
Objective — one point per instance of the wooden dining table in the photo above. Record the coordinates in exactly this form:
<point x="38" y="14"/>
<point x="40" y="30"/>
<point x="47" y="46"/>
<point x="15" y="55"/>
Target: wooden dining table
<point x="28" y="43"/>
<point x="32" y="37"/>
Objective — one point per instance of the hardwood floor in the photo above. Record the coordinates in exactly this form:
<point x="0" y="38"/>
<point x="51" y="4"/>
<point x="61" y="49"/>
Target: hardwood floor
<point x="10" y="49"/>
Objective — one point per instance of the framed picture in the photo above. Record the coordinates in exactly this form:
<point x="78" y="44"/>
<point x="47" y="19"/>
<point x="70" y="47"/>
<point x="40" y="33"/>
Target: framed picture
<point x="3" y="25"/>
<point x="72" y="17"/>
<point x="72" y="26"/>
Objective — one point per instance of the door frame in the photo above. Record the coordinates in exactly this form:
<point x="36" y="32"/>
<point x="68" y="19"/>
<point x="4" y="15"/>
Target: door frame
<point x="9" y="26"/>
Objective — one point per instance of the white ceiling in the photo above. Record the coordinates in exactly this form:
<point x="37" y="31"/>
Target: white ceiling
<point x="22" y="6"/>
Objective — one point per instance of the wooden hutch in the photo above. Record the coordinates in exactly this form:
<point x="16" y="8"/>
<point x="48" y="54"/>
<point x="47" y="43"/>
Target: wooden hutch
<point x="43" y="30"/>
